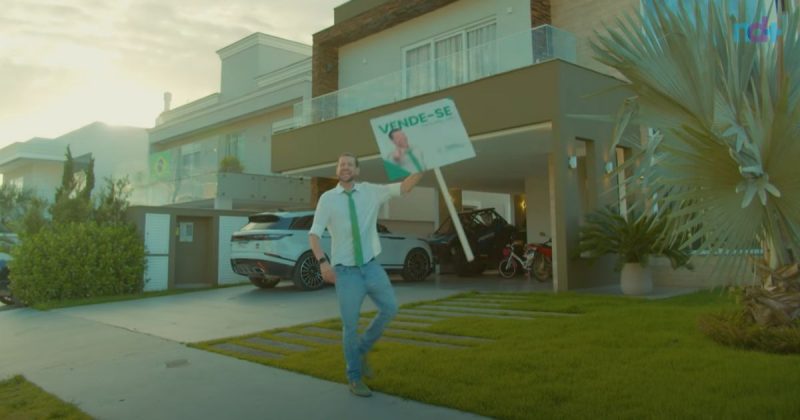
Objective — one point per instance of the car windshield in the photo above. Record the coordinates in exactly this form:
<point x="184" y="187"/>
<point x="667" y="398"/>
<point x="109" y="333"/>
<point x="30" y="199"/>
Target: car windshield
<point x="446" y="228"/>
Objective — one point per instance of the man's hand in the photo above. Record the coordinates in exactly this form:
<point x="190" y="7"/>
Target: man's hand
<point x="410" y="181"/>
<point x="328" y="275"/>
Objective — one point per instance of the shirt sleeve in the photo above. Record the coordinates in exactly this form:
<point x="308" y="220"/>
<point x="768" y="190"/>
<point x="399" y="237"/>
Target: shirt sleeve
<point x="321" y="217"/>
<point x="387" y="191"/>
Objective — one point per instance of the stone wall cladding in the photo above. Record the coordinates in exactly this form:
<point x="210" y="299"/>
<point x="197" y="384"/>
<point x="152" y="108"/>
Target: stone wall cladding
<point x="540" y="13"/>
<point x="325" y="64"/>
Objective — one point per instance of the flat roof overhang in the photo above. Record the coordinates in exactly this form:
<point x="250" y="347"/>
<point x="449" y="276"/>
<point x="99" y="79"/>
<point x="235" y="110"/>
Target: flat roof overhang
<point x="509" y="118"/>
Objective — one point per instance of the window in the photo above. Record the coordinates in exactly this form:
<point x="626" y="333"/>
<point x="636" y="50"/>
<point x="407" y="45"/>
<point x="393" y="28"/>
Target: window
<point x="18" y="182"/>
<point x="232" y="145"/>
<point x="302" y="223"/>
<point x="450" y="60"/>
<point x="197" y="158"/>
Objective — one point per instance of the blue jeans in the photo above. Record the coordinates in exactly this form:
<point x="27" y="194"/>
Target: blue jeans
<point x="352" y="284"/>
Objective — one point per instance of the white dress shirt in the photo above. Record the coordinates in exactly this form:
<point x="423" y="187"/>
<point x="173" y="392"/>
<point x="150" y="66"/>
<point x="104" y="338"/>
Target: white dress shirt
<point x="333" y="213"/>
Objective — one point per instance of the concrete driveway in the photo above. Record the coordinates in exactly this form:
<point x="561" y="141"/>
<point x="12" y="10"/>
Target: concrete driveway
<point x="127" y="360"/>
<point x="227" y="312"/>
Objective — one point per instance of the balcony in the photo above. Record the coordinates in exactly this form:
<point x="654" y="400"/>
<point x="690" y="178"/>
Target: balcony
<point x="515" y="51"/>
<point x="245" y="191"/>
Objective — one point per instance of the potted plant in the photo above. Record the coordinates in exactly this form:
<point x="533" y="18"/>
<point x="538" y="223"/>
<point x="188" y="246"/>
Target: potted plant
<point x="634" y="239"/>
<point x="231" y="164"/>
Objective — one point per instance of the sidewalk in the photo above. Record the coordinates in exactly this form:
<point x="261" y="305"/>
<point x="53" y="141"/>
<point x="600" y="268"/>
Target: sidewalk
<point x="126" y="360"/>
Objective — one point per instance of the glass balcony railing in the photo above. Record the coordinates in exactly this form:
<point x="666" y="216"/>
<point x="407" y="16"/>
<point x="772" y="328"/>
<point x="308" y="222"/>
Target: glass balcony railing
<point x="175" y="191"/>
<point x="503" y="54"/>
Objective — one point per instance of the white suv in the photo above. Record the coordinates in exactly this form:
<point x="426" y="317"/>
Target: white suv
<point x="274" y="246"/>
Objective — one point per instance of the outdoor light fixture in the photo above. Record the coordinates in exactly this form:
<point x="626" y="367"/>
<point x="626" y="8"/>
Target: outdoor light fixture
<point x="572" y="162"/>
<point x="609" y="167"/>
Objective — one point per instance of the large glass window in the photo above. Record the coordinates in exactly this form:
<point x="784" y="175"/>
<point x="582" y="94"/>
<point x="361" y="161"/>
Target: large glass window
<point x="450" y="60"/>
<point x="232" y="145"/>
<point x="417" y="70"/>
<point x="197" y="158"/>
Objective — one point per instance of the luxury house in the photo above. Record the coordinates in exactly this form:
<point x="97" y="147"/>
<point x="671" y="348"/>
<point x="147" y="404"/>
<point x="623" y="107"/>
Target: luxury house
<point x="520" y="73"/>
<point x="38" y="163"/>
<point x="214" y="152"/>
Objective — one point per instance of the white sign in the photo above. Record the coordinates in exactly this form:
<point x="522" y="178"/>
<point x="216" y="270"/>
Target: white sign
<point x="186" y="232"/>
<point x="420" y="138"/>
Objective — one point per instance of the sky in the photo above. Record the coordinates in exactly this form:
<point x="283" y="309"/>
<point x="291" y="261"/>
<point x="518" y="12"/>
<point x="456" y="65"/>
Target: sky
<point x="66" y="64"/>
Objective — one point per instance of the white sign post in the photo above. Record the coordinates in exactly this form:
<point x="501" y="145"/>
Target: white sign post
<point x="424" y="137"/>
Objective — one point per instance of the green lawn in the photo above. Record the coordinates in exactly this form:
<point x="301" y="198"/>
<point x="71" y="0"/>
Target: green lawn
<point x="619" y="357"/>
<point x="20" y="399"/>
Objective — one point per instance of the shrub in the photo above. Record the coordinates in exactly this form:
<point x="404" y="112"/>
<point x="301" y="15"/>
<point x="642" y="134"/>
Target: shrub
<point x="231" y="164"/>
<point x="77" y="260"/>
<point x="633" y="238"/>
<point x="736" y="330"/>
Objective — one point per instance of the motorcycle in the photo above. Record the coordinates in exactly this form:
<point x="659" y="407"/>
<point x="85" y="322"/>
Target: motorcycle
<point x="530" y="258"/>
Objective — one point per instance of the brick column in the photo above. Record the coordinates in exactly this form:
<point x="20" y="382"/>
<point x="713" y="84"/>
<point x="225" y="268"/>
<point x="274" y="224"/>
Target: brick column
<point x="540" y="12"/>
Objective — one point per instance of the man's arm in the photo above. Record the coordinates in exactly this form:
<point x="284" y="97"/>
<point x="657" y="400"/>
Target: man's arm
<point x="321" y="218"/>
<point x="410" y="182"/>
<point x="316" y="246"/>
<point x="325" y="266"/>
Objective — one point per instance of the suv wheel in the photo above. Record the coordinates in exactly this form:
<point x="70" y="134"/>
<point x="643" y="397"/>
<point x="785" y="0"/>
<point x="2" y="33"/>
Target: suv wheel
<point x="263" y="283"/>
<point x="306" y="273"/>
<point x="416" y="266"/>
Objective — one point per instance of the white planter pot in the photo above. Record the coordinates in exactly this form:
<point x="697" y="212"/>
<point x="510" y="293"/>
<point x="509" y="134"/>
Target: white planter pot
<point x="636" y="280"/>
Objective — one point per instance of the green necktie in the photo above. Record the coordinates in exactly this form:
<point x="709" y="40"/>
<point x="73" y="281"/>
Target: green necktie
<point x="356" y="232"/>
<point x="414" y="160"/>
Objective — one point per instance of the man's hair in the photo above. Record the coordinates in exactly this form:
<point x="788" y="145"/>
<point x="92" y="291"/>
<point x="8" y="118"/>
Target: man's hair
<point x="391" y="133"/>
<point x="348" y="154"/>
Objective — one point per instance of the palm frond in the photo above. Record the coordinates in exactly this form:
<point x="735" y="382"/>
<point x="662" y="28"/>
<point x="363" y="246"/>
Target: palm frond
<point x="728" y="112"/>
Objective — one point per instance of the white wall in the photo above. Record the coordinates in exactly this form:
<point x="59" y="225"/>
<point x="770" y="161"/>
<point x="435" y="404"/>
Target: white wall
<point x="500" y="202"/>
<point x="227" y="226"/>
<point x="382" y="53"/>
<point x="537" y="210"/>
<point x="45" y="177"/>
<point x="240" y="71"/>
<point x="117" y="151"/>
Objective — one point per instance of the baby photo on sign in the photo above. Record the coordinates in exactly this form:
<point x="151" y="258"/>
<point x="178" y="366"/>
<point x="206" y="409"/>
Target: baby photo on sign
<point x="420" y="138"/>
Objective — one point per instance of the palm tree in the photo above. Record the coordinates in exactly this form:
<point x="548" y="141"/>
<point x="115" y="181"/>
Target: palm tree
<point x="725" y="155"/>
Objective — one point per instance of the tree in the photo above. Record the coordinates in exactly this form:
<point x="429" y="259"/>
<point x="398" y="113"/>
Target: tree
<point x="13" y="203"/>
<point x="724" y="160"/>
<point x="112" y="203"/>
<point x="72" y="202"/>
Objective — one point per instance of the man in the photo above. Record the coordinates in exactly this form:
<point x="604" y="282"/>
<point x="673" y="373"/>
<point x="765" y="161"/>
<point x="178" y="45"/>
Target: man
<point x="350" y="213"/>
<point x="404" y="159"/>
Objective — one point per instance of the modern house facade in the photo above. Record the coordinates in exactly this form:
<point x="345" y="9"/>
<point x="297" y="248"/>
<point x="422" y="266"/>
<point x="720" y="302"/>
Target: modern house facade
<point x="261" y="78"/>
<point x="38" y="163"/>
<point x="519" y="72"/>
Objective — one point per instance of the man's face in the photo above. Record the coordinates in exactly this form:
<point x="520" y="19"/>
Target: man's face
<point x="346" y="170"/>
<point x="399" y="139"/>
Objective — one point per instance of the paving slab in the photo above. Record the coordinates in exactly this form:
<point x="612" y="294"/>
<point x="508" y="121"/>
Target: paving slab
<point x="279" y="344"/>
<point x="445" y="315"/>
<point x="250" y="351"/>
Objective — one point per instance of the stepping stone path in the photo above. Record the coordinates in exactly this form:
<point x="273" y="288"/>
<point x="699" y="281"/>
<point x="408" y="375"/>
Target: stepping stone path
<point x="405" y="329"/>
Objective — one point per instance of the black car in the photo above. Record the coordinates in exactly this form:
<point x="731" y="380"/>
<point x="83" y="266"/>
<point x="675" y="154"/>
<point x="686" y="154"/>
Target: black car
<point x="5" y="291"/>
<point x="487" y="232"/>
